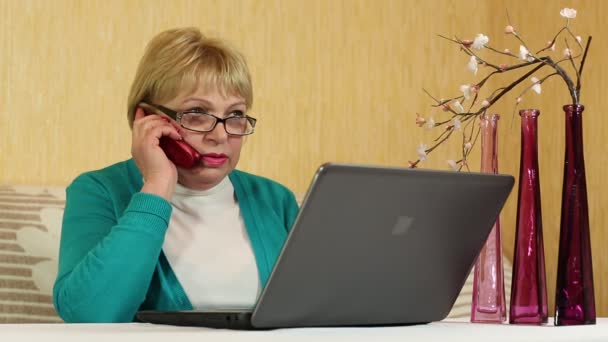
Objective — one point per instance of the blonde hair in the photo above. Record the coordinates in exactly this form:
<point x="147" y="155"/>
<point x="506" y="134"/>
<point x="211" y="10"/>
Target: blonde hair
<point x="184" y="59"/>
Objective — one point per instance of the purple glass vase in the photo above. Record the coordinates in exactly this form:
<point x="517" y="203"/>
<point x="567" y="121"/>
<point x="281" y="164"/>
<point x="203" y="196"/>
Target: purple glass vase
<point x="574" y="295"/>
<point x="488" y="280"/>
<point x="528" y="288"/>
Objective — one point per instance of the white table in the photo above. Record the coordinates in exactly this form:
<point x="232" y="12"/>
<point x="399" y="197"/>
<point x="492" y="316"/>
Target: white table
<point x="448" y="330"/>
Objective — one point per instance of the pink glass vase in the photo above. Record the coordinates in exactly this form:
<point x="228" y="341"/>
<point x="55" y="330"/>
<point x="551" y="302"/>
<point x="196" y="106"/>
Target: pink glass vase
<point x="528" y="288"/>
<point x="574" y="294"/>
<point x="488" y="280"/>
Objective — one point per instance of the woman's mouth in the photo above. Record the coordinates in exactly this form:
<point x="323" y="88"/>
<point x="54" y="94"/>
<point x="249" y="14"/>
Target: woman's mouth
<point x="214" y="159"/>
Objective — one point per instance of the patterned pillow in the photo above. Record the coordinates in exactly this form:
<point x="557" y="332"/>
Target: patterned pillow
<point x="30" y="226"/>
<point x="462" y="307"/>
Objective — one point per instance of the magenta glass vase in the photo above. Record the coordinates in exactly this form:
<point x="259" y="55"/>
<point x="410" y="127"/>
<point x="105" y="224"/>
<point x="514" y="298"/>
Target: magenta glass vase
<point x="488" y="281"/>
<point x="574" y="294"/>
<point x="528" y="288"/>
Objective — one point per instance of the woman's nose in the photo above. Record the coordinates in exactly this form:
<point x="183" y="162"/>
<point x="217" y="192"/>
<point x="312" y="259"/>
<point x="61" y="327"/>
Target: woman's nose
<point x="217" y="134"/>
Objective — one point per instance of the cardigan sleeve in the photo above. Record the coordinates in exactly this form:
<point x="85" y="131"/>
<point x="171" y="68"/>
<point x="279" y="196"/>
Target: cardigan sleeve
<point x="291" y="209"/>
<point x="106" y="261"/>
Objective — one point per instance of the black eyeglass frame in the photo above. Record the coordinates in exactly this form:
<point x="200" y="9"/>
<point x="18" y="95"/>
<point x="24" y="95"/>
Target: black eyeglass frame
<point x="177" y="116"/>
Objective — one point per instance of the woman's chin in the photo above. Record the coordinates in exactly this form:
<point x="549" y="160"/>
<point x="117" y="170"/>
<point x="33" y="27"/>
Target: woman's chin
<point x="202" y="175"/>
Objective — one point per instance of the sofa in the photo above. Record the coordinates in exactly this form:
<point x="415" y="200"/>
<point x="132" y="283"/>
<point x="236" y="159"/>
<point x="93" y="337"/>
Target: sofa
<point x="30" y="227"/>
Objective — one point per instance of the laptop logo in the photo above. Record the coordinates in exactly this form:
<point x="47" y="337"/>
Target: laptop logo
<point x="403" y="225"/>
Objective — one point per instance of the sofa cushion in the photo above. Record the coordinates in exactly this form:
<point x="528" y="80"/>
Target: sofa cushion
<point x="462" y="306"/>
<point x="30" y="227"/>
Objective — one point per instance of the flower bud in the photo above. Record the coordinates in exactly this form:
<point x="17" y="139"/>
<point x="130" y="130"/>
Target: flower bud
<point x="420" y="120"/>
<point x="467" y="43"/>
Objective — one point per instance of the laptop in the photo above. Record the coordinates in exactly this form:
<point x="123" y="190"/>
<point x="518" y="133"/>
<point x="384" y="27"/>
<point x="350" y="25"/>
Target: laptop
<point x="370" y="246"/>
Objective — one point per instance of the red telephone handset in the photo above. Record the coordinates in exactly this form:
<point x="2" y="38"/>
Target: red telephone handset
<point x="178" y="151"/>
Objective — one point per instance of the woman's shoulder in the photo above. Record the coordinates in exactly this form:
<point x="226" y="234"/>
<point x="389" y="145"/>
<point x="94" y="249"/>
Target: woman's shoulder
<point x="122" y="175"/>
<point x="258" y="184"/>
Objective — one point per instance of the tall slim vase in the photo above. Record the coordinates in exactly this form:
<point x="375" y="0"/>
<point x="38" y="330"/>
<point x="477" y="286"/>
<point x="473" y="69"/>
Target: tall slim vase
<point x="574" y="294"/>
<point x="528" y="288"/>
<point x="488" y="304"/>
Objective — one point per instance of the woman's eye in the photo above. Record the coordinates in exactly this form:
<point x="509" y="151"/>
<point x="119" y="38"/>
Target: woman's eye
<point x="237" y="113"/>
<point x="196" y="110"/>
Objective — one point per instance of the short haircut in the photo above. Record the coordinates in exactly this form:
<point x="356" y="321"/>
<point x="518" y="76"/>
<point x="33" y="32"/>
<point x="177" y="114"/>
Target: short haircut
<point x="184" y="59"/>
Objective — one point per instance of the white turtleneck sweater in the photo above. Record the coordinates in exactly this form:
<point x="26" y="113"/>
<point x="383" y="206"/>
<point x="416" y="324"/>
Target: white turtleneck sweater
<point x="209" y="249"/>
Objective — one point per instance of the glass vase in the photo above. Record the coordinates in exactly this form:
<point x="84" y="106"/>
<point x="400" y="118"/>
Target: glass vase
<point x="488" y="304"/>
<point x="574" y="294"/>
<point x="528" y="288"/>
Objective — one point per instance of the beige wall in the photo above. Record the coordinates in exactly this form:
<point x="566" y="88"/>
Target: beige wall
<point x="334" y="81"/>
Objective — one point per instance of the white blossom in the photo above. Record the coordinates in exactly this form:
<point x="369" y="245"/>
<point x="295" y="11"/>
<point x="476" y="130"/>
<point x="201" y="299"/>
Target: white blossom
<point x="457" y="124"/>
<point x="579" y="39"/>
<point x="480" y="41"/>
<point x="457" y="107"/>
<point x="567" y="52"/>
<point x="568" y="13"/>
<point x="472" y="65"/>
<point x="468" y="146"/>
<point x="466" y="90"/>
<point x="507" y="51"/>
<point x="509" y="29"/>
<point x="421" y="150"/>
<point x="453" y="164"/>
<point x="485" y="103"/>
<point x="525" y="54"/>
<point x="430" y="123"/>
<point x="536" y="86"/>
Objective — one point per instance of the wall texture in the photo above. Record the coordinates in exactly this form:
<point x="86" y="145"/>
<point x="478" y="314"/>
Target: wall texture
<point x="333" y="81"/>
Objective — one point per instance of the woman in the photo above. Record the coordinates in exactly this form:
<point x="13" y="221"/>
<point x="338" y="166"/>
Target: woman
<point x="149" y="234"/>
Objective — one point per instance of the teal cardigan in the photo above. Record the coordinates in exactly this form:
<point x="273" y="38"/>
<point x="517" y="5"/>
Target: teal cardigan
<point x="111" y="262"/>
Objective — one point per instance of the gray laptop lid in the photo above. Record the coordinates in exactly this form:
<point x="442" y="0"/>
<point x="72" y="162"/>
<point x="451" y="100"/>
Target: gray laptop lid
<point x="376" y="245"/>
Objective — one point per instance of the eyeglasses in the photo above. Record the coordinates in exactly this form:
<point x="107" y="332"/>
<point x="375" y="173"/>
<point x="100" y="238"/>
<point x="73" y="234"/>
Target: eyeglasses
<point x="237" y="123"/>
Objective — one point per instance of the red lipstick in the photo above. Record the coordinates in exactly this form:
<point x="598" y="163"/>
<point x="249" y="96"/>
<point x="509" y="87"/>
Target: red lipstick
<point x="214" y="159"/>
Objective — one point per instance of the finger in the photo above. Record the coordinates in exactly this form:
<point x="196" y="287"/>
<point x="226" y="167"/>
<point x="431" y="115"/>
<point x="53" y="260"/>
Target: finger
<point x="139" y="113"/>
<point x="174" y="124"/>
<point x="159" y="128"/>
<point x="167" y="130"/>
<point x="148" y="122"/>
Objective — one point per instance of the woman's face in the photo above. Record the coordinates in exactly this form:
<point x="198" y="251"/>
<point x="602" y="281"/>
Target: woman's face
<point x="220" y="151"/>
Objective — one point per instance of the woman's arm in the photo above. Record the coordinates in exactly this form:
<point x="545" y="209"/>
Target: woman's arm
<point x="106" y="262"/>
<point x="291" y="209"/>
